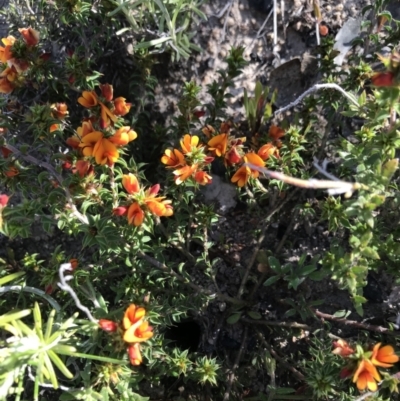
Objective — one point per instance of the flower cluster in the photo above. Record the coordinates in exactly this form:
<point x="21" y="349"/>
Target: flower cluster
<point x="142" y="200"/>
<point x="363" y="364"/>
<point x="134" y="330"/>
<point x="194" y="157"/>
<point x="190" y="162"/>
<point x="97" y="138"/>
<point x="13" y="67"/>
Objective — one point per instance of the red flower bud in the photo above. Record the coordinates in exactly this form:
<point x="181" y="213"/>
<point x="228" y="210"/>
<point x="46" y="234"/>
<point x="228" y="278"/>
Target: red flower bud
<point x="154" y="189"/>
<point x="108" y="325"/>
<point x="383" y="79"/>
<point x="134" y="354"/>
<point x="233" y="157"/>
<point x="6" y="152"/>
<point x="45" y="56"/>
<point x="199" y="113"/>
<point x="345" y="372"/>
<point x="107" y="91"/>
<point x="3" y="200"/>
<point x="71" y="79"/>
<point x="49" y="289"/>
<point x="120" y="210"/>
<point x="66" y="165"/>
<point x="74" y="263"/>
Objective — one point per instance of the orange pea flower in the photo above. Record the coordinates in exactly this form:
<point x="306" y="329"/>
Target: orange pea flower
<point x="208" y="130"/>
<point x="241" y="176"/>
<point x="88" y="99"/>
<point x="267" y="150"/>
<point x="82" y="131"/>
<point x="366" y="375"/>
<point x="138" y="332"/>
<point x="106" y="116"/>
<point x="7" y="77"/>
<point x="104" y="151"/>
<point x="5" y="52"/>
<point x="130" y="183"/>
<point x="135" y="215"/>
<point x="135" y="357"/>
<point x="218" y="144"/>
<point x="132" y="315"/>
<point x="173" y="158"/>
<point x="190" y="143"/>
<point x="383" y="356"/>
<point x="11" y="172"/>
<point x="256" y="160"/>
<point x="108" y="325"/>
<point x="6" y="86"/>
<point x="121" y="107"/>
<point x="123" y="136"/>
<point x="158" y="205"/>
<point x="202" y="178"/>
<point x="83" y="168"/>
<point x="342" y="348"/>
<point x="55" y="127"/>
<point x="275" y="132"/>
<point x="184" y="173"/>
<point x="30" y="35"/>
<point x="59" y="110"/>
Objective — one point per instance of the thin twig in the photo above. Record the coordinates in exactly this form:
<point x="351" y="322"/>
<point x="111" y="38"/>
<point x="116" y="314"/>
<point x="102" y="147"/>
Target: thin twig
<point x="258" y="246"/>
<point x="333" y="186"/>
<point x="63" y="284"/>
<point x="165" y="268"/>
<point x="82" y="218"/>
<point x="289" y="325"/>
<point x="289" y="229"/>
<point x="231" y="375"/>
<point x="177" y="245"/>
<point x="225" y="22"/>
<point x="285" y="364"/>
<point x="275" y="24"/>
<point x="354" y="323"/>
<point x="313" y="89"/>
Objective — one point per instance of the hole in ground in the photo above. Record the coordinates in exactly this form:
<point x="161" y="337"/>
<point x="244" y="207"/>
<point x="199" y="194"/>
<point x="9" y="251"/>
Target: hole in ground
<point x="184" y="335"/>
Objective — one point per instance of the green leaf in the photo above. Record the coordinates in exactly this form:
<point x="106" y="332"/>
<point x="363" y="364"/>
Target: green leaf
<point x="271" y="281"/>
<point x="254" y="315"/>
<point x="10" y="277"/>
<point x="342" y="313"/>
<point x="274" y="264"/>
<point x="232" y="319"/>
<point x="306" y="270"/>
<point x="370" y="253"/>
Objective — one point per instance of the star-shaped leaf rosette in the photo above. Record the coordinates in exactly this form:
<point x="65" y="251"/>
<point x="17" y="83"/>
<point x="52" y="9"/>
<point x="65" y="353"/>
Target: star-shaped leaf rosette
<point x="362" y="364"/>
<point x="142" y="202"/>
<point x="101" y="135"/>
<point x="133" y="330"/>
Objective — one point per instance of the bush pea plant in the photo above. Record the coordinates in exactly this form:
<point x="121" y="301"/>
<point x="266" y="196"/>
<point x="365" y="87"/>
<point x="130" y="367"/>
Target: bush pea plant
<point x="99" y="304"/>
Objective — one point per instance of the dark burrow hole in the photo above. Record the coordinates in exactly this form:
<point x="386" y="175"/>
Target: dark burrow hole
<point x="184" y="335"/>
